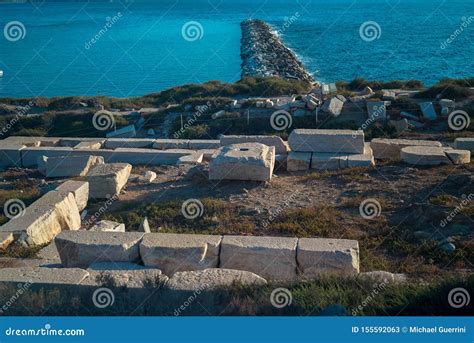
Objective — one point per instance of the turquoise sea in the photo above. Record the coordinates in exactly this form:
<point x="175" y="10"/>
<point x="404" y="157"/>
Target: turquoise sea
<point x="127" y="48"/>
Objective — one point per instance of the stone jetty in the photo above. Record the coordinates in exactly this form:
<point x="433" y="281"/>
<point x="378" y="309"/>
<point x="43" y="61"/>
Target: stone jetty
<point x="264" y="54"/>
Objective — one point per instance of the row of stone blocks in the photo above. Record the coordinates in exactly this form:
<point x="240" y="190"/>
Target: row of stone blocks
<point x="60" y="209"/>
<point x="26" y="151"/>
<point x="273" y="258"/>
<point x="423" y="152"/>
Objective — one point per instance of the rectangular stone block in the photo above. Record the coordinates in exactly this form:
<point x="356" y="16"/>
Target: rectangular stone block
<point x="107" y="180"/>
<point x="10" y="155"/>
<point x="428" y="110"/>
<point x="80" y="190"/>
<point x="360" y="160"/>
<point x="82" y="248"/>
<point x="45" y="218"/>
<point x="328" y="161"/>
<point x="70" y="166"/>
<point x="88" y="145"/>
<point x="248" y="161"/>
<point x="72" y="142"/>
<point x="180" y="252"/>
<point x="134" y="143"/>
<point x="389" y="149"/>
<point x="333" y="106"/>
<point x="43" y="276"/>
<point x="317" y="256"/>
<point x="30" y="155"/>
<point x="377" y="110"/>
<point x="33" y="141"/>
<point x="146" y="156"/>
<point x="200" y="144"/>
<point x="327" y="141"/>
<point x="298" y="161"/>
<point x="164" y="144"/>
<point x="464" y="143"/>
<point x="194" y="158"/>
<point x="281" y="147"/>
<point x="273" y="258"/>
<point x="124" y="132"/>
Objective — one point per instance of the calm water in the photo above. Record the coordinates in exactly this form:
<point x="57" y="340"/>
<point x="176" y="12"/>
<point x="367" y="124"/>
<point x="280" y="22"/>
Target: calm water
<point x="144" y="50"/>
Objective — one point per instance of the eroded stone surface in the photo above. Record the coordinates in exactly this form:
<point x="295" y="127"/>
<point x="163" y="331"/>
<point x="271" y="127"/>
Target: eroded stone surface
<point x="333" y="106"/>
<point x="45" y="218"/>
<point x="107" y="180"/>
<point x="211" y="279"/>
<point x="273" y="258"/>
<point x="384" y="148"/>
<point x="318" y="256"/>
<point x="298" y="161"/>
<point x="39" y="275"/>
<point x="134" y="143"/>
<point x="424" y="155"/>
<point x="328" y="161"/>
<point x="130" y="278"/>
<point x="248" y="161"/>
<point x="180" y="252"/>
<point x="281" y="147"/>
<point x="327" y="141"/>
<point x="80" y="190"/>
<point x="70" y="166"/>
<point x="82" y="248"/>
<point x="194" y="158"/>
<point x="459" y="156"/>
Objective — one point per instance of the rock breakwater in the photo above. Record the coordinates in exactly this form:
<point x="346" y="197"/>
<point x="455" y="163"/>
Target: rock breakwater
<point x="264" y="54"/>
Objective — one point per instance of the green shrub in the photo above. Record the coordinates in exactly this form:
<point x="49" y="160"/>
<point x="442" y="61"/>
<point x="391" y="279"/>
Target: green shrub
<point x="446" y="90"/>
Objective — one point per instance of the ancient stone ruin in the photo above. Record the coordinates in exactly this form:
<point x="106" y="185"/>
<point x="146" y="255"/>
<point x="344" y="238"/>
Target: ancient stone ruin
<point x="185" y="261"/>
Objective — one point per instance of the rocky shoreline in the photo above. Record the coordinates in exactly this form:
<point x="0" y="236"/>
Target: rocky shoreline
<point x="264" y="54"/>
